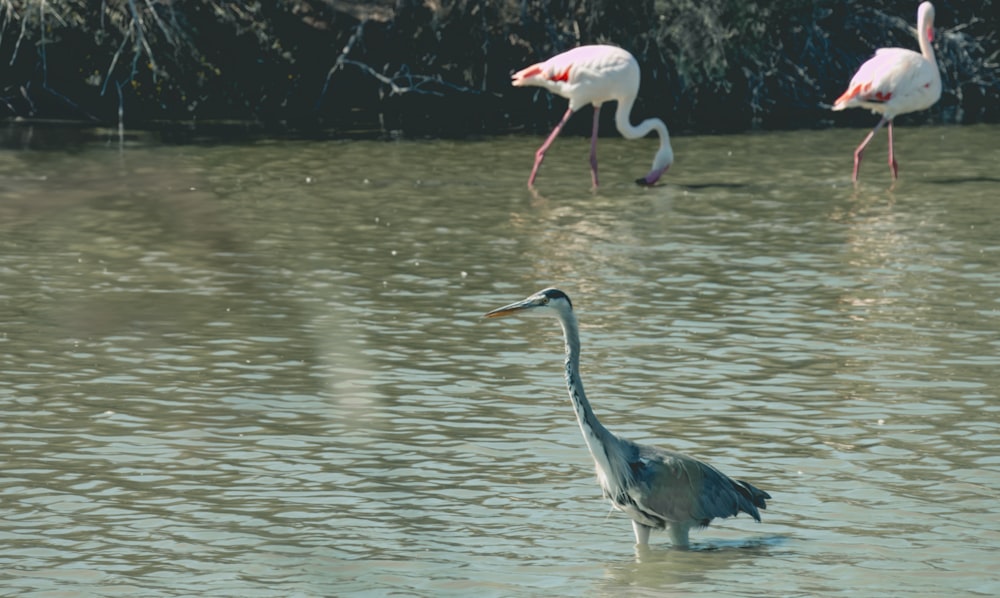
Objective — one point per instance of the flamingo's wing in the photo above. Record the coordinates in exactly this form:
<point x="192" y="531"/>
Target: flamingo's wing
<point x="539" y="72"/>
<point x="585" y="75"/>
<point x="555" y="69"/>
<point x="890" y="73"/>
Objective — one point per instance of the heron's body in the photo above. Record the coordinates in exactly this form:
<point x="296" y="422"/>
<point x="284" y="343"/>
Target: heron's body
<point x="895" y="81"/>
<point x="593" y="75"/>
<point x="657" y="488"/>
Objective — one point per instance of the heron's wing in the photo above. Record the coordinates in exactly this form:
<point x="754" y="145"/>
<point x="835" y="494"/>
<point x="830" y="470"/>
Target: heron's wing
<point x="682" y="489"/>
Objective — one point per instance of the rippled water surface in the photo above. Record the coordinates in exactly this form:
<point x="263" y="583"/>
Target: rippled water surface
<point x="260" y="369"/>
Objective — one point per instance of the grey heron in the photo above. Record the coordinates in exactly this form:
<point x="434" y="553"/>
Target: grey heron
<point x="656" y="487"/>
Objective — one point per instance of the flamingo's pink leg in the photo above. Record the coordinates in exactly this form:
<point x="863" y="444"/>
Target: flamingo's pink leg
<point x="540" y="154"/>
<point x="861" y="148"/>
<point x="593" y="144"/>
<point x="892" y="157"/>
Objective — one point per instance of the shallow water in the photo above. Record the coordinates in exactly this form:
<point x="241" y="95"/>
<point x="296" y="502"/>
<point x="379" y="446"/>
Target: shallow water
<point x="259" y="369"/>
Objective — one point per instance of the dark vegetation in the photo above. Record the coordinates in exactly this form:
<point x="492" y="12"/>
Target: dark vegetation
<point x="443" y="67"/>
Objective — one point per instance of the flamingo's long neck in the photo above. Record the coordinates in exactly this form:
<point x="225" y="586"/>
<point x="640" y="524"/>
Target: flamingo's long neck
<point x="605" y="447"/>
<point x="925" y="36"/>
<point x="665" y="155"/>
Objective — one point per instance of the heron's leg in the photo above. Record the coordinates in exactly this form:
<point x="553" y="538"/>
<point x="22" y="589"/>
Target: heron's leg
<point x="540" y="154"/>
<point x="861" y="148"/>
<point x="593" y="144"/>
<point x="892" y="157"/>
<point x="679" y="534"/>
<point x="641" y="532"/>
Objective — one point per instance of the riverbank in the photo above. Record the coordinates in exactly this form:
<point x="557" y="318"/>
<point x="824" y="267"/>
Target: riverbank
<point x="437" y="69"/>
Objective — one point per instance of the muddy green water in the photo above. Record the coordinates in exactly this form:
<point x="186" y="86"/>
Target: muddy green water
<point x="260" y="369"/>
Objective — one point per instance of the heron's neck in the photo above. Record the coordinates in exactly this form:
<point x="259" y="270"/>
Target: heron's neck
<point x="664" y="155"/>
<point x="604" y="446"/>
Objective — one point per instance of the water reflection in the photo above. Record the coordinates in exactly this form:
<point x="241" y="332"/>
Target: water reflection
<point x="680" y="572"/>
<point x="259" y="368"/>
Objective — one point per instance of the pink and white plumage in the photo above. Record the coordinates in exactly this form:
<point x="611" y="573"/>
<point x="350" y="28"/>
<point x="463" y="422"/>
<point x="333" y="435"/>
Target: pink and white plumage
<point x="594" y="75"/>
<point x="895" y="81"/>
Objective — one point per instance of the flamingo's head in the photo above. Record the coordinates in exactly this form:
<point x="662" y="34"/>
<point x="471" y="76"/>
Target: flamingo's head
<point x="661" y="163"/>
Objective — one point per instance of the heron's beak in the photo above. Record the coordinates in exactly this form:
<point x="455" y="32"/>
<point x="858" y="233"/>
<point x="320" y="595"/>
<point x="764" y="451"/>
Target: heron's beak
<point x="507" y="310"/>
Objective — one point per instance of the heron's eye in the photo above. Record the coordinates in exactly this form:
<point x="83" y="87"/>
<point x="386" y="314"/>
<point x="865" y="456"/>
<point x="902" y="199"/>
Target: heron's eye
<point x="545" y="300"/>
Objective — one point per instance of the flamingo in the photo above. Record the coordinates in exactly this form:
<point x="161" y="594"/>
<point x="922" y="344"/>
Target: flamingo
<point x="893" y="82"/>
<point x="594" y="75"/>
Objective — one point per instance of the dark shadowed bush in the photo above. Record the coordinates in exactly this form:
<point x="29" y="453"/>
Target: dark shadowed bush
<point x="443" y="68"/>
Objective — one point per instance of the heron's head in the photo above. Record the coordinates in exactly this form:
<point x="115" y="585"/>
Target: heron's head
<point x="545" y="301"/>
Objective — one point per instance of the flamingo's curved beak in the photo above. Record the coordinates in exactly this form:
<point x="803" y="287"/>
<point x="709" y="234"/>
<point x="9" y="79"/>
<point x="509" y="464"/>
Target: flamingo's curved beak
<point x="650" y="179"/>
